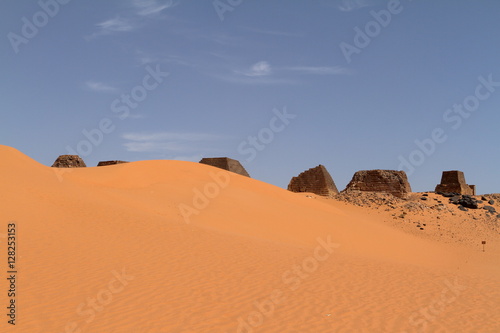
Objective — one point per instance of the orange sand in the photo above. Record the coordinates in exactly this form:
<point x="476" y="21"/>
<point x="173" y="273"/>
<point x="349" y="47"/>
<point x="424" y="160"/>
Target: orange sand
<point x="108" y="250"/>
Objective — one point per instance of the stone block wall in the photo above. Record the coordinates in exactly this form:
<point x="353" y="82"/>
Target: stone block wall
<point x="454" y="182"/>
<point x="227" y="164"/>
<point x="69" y="161"/>
<point x="385" y="181"/>
<point x="315" y="180"/>
<point x="105" y="163"/>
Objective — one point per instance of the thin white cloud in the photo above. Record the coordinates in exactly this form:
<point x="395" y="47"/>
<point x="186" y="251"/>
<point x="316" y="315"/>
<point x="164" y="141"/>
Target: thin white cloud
<point x="255" y="80"/>
<point x="261" y="73"/>
<point x="134" y="18"/>
<point x="151" y="7"/>
<point x="100" y="87"/>
<point x="274" y="32"/>
<point x="221" y="56"/>
<point x="135" y="116"/>
<point x="262" y="68"/>
<point x="175" y="136"/>
<point x="192" y="158"/>
<point x="350" y="5"/>
<point x="171" y="142"/>
<point x="116" y="24"/>
<point x="111" y="26"/>
<point x="221" y="38"/>
<point x="154" y="147"/>
<point x="333" y="70"/>
<point x="144" y="58"/>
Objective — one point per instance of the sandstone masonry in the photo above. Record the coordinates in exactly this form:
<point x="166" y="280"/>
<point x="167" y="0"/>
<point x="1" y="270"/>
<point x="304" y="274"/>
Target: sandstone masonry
<point x="454" y="182"/>
<point x="227" y="164"/>
<point x="105" y="163"/>
<point x="315" y="180"/>
<point x="69" y="161"/>
<point x="385" y="181"/>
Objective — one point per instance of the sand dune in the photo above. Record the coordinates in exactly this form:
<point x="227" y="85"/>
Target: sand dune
<point x="171" y="246"/>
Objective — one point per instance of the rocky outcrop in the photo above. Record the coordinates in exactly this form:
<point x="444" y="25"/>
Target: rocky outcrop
<point x="454" y="182"/>
<point x="105" y="163"/>
<point x="69" y="161"/>
<point x="385" y="181"/>
<point x="315" y="180"/>
<point x="227" y="164"/>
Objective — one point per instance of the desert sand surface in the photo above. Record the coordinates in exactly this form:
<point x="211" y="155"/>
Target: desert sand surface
<point x="125" y="248"/>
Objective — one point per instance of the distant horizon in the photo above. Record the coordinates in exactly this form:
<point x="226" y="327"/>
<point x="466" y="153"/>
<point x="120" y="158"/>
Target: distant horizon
<point x="342" y="188"/>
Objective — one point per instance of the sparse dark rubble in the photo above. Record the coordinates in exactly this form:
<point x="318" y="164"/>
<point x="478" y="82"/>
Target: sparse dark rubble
<point x="468" y="202"/>
<point x="462" y="208"/>
<point x="364" y="199"/>
<point x="384" y="201"/>
<point x="493" y="196"/>
<point x="414" y="203"/>
<point x="490" y="209"/>
<point x="413" y="213"/>
<point x="465" y="202"/>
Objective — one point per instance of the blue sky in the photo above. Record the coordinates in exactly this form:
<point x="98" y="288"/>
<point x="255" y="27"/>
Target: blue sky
<point x="280" y="85"/>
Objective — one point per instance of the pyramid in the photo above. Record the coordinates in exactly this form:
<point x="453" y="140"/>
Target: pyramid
<point x="104" y="163"/>
<point x="385" y="181"/>
<point x="227" y="164"/>
<point x="69" y="161"/>
<point x="315" y="180"/>
<point x="454" y="182"/>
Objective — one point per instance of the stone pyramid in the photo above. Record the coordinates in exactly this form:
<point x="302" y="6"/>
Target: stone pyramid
<point x="315" y="180"/>
<point x="454" y="182"/>
<point x="385" y="181"/>
<point x="69" y="161"/>
<point x="227" y="164"/>
<point x="104" y="163"/>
